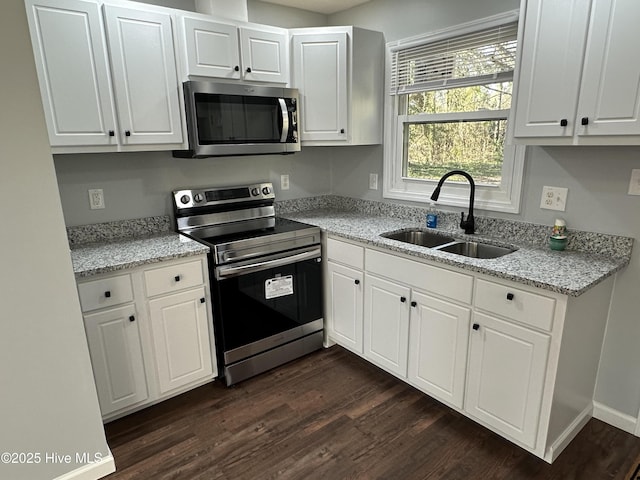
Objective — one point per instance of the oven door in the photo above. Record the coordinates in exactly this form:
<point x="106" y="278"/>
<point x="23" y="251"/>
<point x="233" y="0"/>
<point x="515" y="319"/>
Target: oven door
<point x="268" y="302"/>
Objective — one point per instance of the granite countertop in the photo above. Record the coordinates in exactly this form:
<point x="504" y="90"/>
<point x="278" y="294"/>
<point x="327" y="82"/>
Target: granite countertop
<point x="115" y="254"/>
<point x="567" y="272"/>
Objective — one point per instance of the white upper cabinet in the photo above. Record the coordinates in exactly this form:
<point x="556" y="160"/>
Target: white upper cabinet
<point x="144" y="75"/>
<point x="71" y="61"/>
<point x="265" y="56"/>
<point x="578" y="83"/>
<point x="222" y="50"/>
<point x="339" y="72"/>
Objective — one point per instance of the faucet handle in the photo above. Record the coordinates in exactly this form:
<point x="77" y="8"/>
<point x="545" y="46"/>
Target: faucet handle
<point x="462" y="222"/>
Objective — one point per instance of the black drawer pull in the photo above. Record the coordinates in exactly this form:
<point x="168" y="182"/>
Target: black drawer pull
<point x="403" y="299"/>
<point x="127" y="133"/>
<point x="112" y="133"/>
<point x="510" y="296"/>
<point x="248" y="69"/>
<point x="236" y="68"/>
<point x="584" y="120"/>
<point x="107" y="294"/>
<point x="564" y="122"/>
<point x="357" y="282"/>
<point x="476" y="326"/>
<point x="414" y="304"/>
<point x="177" y="278"/>
<point x="202" y="300"/>
<point x="132" y="318"/>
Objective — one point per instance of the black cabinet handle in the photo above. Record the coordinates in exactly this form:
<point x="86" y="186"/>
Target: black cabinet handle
<point x="112" y="133"/>
<point x="564" y="122"/>
<point x="132" y="318"/>
<point x="202" y="300"/>
<point x="248" y="69"/>
<point x="177" y="278"/>
<point x="476" y="326"/>
<point x="414" y="304"/>
<point x="127" y="133"/>
<point x="342" y="130"/>
<point x="107" y="294"/>
<point x="237" y="68"/>
<point x="510" y="296"/>
<point x="357" y="282"/>
<point x="584" y="121"/>
<point x="403" y="299"/>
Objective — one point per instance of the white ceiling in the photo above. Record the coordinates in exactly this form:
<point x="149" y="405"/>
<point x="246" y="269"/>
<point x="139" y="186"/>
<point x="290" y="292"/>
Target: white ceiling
<point x="320" y="6"/>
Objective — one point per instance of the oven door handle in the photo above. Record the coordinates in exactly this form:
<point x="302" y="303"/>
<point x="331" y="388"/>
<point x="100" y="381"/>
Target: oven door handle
<point x="227" y="272"/>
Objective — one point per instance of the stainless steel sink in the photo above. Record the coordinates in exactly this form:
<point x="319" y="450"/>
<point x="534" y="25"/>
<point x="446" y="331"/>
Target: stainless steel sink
<point x="419" y="237"/>
<point x="476" y="249"/>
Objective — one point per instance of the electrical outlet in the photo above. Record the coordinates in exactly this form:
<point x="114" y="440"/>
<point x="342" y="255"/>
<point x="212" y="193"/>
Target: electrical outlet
<point x="554" y="198"/>
<point x="373" y="181"/>
<point x="284" y="182"/>
<point x="96" y="199"/>
<point x="634" y="183"/>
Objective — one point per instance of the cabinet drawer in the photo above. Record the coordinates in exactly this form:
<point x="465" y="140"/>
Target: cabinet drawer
<point x="457" y="286"/>
<point x="345" y="253"/>
<point x="173" y="277"/>
<point x="105" y="292"/>
<point x="525" y="307"/>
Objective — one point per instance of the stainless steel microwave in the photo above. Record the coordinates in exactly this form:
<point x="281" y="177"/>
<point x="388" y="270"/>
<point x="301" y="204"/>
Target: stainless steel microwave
<point x="226" y="119"/>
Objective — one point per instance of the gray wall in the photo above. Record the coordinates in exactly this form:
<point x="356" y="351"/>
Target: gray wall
<point x="48" y="401"/>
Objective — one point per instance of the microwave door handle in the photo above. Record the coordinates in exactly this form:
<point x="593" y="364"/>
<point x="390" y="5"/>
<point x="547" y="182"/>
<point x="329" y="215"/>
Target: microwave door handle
<point x="285" y="120"/>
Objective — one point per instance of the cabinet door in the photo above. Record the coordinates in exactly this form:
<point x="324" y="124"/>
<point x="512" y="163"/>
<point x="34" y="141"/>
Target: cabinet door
<point x="386" y="324"/>
<point x="116" y="357"/>
<point x="144" y="76"/>
<point x="180" y="335"/>
<point x="211" y="48"/>
<point x="507" y="368"/>
<point x="550" y="65"/>
<point x="265" y="56"/>
<point x="438" y="347"/>
<point x="345" y="306"/>
<point x="610" y="93"/>
<point x="70" y="57"/>
<point x="320" y="73"/>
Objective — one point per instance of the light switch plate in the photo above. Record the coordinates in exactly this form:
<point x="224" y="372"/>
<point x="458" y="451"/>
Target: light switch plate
<point x="634" y="183"/>
<point x="554" y="198"/>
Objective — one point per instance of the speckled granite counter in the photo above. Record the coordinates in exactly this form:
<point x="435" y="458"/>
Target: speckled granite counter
<point x="109" y="247"/>
<point x="568" y="272"/>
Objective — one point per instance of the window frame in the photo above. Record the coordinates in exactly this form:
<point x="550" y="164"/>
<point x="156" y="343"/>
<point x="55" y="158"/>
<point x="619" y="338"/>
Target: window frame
<point x="503" y="198"/>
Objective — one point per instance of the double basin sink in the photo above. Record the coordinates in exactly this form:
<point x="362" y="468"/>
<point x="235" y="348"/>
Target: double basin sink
<point x="444" y="243"/>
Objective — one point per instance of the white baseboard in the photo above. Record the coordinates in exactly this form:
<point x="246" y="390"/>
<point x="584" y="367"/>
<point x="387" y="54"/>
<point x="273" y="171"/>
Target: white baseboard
<point x="92" y="471"/>
<point x="569" y="434"/>
<point x="614" y="417"/>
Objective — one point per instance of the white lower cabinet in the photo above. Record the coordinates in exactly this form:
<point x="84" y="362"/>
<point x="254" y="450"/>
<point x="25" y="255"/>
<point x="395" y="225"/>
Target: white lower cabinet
<point x="116" y="356"/>
<point x="386" y="324"/>
<point x="517" y="359"/>
<point x="157" y="342"/>
<point x="180" y="333"/>
<point x="507" y="369"/>
<point x="439" y="334"/>
<point x="344" y="309"/>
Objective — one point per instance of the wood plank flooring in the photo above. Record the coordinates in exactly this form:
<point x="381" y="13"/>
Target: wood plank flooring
<point x="333" y="416"/>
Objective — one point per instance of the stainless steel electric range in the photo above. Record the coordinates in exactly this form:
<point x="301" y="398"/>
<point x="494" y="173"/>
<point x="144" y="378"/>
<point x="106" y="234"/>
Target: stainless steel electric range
<point x="265" y="274"/>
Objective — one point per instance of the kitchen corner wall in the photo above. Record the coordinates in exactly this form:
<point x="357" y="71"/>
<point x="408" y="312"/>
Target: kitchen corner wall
<point x="138" y="185"/>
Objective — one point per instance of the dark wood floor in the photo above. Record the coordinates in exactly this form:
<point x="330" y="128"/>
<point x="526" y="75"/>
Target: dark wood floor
<point x="333" y="416"/>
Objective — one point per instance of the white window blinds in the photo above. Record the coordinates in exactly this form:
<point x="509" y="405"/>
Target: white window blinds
<point x="481" y="57"/>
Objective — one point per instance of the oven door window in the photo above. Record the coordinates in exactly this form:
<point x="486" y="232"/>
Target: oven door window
<point x="269" y="302"/>
<point x="236" y="119"/>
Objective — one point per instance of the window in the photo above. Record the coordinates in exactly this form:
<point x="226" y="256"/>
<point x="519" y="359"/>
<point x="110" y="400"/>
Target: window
<point x="448" y="109"/>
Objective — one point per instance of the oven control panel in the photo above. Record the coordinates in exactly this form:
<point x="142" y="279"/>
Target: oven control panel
<point x="205" y="197"/>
